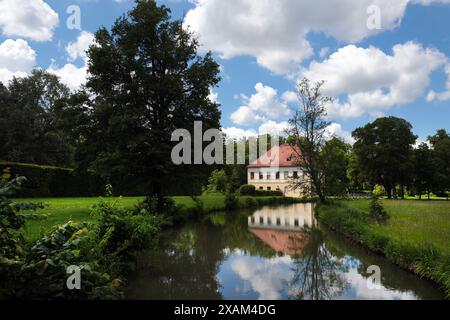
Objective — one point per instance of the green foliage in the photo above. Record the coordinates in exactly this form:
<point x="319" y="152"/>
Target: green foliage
<point x="268" y="193"/>
<point x="377" y="211"/>
<point x="231" y="201"/>
<point x="384" y="150"/>
<point x="29" y="120"/>
<point x="247" y="190"/>
<point x="10" y="221"/>
<point x="378" y="191"/>
<point x="122" y="234"/>
<point x="334" y="162"/>
<point x="440" y="162"/>
<point x="44" y="270"/>
<point x="218" y="182"/>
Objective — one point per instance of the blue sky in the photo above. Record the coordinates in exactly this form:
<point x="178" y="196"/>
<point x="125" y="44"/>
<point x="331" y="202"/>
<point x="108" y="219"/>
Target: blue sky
<point x="264" y="48"/>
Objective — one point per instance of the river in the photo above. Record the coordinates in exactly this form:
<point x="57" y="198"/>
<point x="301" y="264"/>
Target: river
<point x="272" y="253"/>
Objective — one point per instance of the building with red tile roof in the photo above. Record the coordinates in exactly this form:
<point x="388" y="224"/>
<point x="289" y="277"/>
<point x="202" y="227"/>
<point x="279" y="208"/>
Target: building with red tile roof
<point x="276" y="169"/>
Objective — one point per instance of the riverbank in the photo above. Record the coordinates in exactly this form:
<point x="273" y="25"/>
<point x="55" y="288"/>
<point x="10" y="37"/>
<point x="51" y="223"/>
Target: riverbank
<point x="59" y="211"/>
<point x="416" y="237"/>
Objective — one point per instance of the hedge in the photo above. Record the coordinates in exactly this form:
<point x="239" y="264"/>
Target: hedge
<point x="48" y="181"/>
<point x="249" y="190"/>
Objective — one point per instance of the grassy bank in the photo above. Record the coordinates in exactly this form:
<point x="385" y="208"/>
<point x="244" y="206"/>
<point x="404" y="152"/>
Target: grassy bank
<point x="416" y="237"/>
<point x="59" y="211"/>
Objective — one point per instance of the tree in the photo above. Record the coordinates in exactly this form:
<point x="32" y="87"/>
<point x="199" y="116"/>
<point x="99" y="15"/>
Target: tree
<point x="29" y="120"/>
<point x="384" y="150"/>
<point x="218" y="181"/>
<point x="441" y="162"/>
<point x="424" y="171"/>
<point x="145" y="79"/>
<point x="307" y="133"/>
<point x="334" y="161"/>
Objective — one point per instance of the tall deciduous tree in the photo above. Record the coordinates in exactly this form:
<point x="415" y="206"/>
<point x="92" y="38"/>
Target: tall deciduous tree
<point x="384" y="149"/>
<point x="147" y="80"/>
<point x="441" y="161"/>
<point x="307" y="132"/>
<point x="424" y="177"/>
<point x="29" y="120"/>
<point x="334" y="161"/>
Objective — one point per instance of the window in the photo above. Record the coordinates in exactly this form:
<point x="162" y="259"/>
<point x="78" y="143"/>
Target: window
<point x="277" y="176"/>
<point x="278" y="221"/>
<point x="269" y="188"/>
<point x="261" y="220"/>
<point x="286" y="175"/>
<point x="269" y="221"/>
<point x="252" y="176"/>
<point x="261" y="188"/>
<point x="268" y="176"/>
<point x="261" y="177"/>
<point x="295" y="174"/>
<point x="253" y="220"/>
<point x="296" y="223"/>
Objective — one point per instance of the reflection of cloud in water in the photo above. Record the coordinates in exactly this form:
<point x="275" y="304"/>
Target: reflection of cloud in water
<point x="266" y="277"/>
<point x="359" y="290"/>
<point x="271" y="279"/>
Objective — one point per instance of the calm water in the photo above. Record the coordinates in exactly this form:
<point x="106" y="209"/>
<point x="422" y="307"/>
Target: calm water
<point x="274" y="253"/>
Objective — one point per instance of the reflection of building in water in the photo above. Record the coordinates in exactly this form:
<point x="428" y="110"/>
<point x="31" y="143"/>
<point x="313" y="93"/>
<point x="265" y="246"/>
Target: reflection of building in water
<point x="286" y="242"/>
<point x="280" y="228"/>
<point x="293" y="217"/>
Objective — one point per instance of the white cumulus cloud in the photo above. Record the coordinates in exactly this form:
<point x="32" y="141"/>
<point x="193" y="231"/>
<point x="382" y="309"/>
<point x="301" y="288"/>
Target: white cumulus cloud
<point x="31" y="19"/>
<point x="262" y="105"/>
<point x="17" y="59"/>
<point x="374" y="81"/>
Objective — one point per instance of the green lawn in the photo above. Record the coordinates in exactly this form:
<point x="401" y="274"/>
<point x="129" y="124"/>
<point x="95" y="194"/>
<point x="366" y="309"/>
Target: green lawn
<point x="415" y="221"/>
<point x="62" y="210"/>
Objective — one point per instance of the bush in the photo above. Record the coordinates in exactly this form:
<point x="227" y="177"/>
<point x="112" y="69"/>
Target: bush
<point x="43" y="274"/>
<point x="268" y="193"/>
<point x="247" y="190"/>
<point x="122" y="234"/>
<point x="376" y="210"/>
<point x="379" y="191"/>
<point x="231" y="201"/>
<point x="250" y="202"/>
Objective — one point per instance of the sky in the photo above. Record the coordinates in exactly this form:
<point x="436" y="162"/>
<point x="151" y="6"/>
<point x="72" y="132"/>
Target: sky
<point x="377" y="57"/>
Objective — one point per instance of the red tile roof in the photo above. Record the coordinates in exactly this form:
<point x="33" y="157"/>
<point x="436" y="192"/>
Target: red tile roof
<point x="279" y="156"/>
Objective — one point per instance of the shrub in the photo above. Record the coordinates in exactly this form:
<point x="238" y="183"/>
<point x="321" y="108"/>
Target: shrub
<point x="379" y="191"/>
<point x="231" y="201"/>
<point x="376" y="210"/>
<point x="247" y="190"/>
<point x="122" y="234"/>
<point x="44" y="271"/>
<point x="268" y="193"/>
<point x="250" y="202"/>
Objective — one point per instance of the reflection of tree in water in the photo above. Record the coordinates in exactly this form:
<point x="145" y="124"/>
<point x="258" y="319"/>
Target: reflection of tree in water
<point x="317" y="274"/>
<point x="185" y="268"/>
